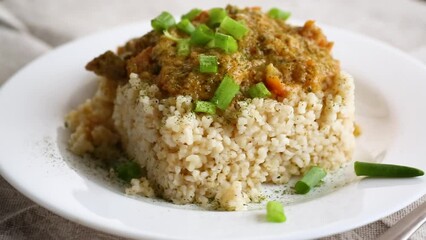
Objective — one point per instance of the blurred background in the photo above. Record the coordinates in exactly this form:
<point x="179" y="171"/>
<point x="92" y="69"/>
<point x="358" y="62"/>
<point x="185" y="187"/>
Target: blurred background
<point x="30" y="28"/>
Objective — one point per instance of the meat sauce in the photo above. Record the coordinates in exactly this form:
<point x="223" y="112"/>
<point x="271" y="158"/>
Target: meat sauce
<point x="297" y="56"/>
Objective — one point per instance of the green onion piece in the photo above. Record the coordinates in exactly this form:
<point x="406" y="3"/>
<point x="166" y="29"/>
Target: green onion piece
<point x="205" y="107"/>
<point x="259" y="91"/>
<point x="128" y="170"/>
<point x="226" y="91"/>
<point x="216" y="16"/>
<point x="310" y="180"/>
<point x="163" y="21"/>
<point x="385" y="170"/>
<point x="170" y="36"/>
<point x="225" y="42"/>
<point x="186" y="26"/>
<point x="210" y="44"/>
<point x="278" y="14"/>
<point x="234" y="28"/>
<point x="183" y="47"/>
<point x="208" y="64"/>
<point x="202" y="35"/>
<point x="275" y="212"/>
<point x="192" y="14"/>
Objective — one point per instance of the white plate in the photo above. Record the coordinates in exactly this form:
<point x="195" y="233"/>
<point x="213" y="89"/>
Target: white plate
<point x="33" y="158"/>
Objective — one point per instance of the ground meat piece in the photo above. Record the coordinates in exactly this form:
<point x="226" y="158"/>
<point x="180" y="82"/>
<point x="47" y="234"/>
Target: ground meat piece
<point x="136" y="45"/>
<point x="109" y="65"/>
<point x="310" y="31"/>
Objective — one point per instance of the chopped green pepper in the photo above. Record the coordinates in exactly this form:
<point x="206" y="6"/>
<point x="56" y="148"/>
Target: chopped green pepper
<point x="128" y="170"/>
<point x="163" y="21"/>
<point x="226" y="91"/>
<point x="385" y="170"/>
<point x="275" y="212"/>
<point x="310" y="180"/>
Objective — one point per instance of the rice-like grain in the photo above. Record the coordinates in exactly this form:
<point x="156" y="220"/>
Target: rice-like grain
<point x="197" y="158"/>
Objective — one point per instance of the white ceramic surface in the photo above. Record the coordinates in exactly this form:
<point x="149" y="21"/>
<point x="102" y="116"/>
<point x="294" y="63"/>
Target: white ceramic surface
<point x="33" y="157"/>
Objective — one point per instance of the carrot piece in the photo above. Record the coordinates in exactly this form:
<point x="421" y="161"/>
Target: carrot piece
<point x="275" y="85"/>
<point x="202" y="17"/>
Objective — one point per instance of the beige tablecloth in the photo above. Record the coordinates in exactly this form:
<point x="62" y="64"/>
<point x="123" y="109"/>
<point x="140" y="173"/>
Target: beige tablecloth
<point x="29" y="28"/>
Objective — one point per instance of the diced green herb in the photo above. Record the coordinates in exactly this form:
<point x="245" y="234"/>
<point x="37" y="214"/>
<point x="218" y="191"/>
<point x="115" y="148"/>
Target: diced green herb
<point x="208" y="64"/>
<point x="310" y="180"/>
<point x="226" y="91"/>
<point x="278" y="14"/>
<point x="210" y="44"/>
<point x="205" y="107"/>
<point x="385" y="170"/>
<point x="234" y="28"/>
<point x="275" y="212"/>
<point x="128" y="170"/>
<point x="163" y="21"/>
<point x="202" y="35"/>
<point x="259" y="90"/>
<point x="216" y="16"/>
<point x="186" y="26"/>
<point x="225" y="42"/>
<point x="192" y="14"/>
<point x="183" y="47"/>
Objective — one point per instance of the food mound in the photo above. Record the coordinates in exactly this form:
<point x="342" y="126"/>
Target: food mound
<point x="215" y="105"/>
